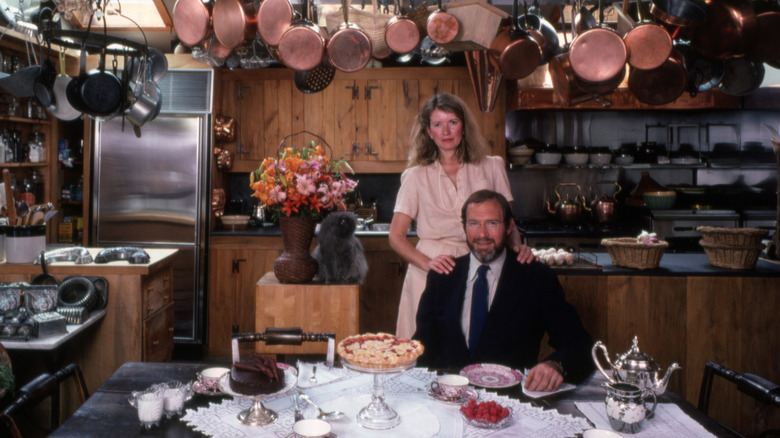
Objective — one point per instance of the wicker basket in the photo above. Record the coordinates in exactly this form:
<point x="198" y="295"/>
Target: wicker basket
<point x="628" y="253"/>
<point x="732" y="236"/>
<point x="732" y="256"/>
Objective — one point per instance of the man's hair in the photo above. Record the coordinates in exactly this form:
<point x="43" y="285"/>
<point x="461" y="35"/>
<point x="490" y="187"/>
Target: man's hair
<point x="481" y="196"/>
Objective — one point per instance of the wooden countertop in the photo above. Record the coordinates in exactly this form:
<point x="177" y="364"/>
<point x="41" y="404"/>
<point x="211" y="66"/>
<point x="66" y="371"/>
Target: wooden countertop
<point x="156" y="256"/>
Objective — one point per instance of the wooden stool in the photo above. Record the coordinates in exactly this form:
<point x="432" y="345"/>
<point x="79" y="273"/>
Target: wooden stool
<point x="316" y="307"/>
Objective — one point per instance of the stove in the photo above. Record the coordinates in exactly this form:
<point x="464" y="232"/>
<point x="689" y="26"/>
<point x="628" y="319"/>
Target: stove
<point x="763" y="219"/>
<point x="669" y="224"/>
<point x="585" y="236"/>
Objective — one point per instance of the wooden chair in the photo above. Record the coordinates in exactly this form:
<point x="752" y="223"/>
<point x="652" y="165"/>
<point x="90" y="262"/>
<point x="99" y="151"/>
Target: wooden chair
<point x="37" y="390"/>
<point x="750" y="384"/>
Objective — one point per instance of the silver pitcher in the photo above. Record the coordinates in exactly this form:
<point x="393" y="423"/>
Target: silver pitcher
<point x="635" y="367"/>
<point x="626" y="406"/>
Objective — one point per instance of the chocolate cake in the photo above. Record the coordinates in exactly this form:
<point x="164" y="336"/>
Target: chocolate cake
<point x="259" y="375"/>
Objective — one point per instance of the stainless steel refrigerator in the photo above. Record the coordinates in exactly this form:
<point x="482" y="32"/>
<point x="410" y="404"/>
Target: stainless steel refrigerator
<point x="153" y="191"/>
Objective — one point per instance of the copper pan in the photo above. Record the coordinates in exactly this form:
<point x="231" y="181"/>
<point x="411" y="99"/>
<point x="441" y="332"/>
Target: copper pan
<point x="485" y="77"/>
<point x="349" y="48"/>
<point x="598" y="55"/>
<point x="679" y="12"/>
<point x="273" y="19"/>
<point x="402" y="34"/>
<point x="741" y="77"/>
<point x="703" y="73"/>
<point x="302" y="45"/>
<point x="660" y="85"/>
<point x="192" y="21"/>
<point x="729" y="30"/>
<point x="649" y="44"/>
<point x="516" y="51"/>
<point x="234" y="22"/>
<point x="766" y="47"/>
<point x="550" y="43"/>
<point x="442" y="26"/>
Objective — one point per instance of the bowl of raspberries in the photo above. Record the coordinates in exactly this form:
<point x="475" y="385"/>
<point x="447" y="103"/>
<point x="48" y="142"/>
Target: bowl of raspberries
<point x="486" y="414"/>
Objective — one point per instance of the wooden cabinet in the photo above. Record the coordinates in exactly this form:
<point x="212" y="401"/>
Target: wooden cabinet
<point x="364" y="116"/>
<point x="235" y="266"/>
<point x="380" y="293"/>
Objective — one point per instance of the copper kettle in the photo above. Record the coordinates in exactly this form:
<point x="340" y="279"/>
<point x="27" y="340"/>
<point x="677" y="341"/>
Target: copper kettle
<point x="567" y="209"/>
<point x="605" y="207"/>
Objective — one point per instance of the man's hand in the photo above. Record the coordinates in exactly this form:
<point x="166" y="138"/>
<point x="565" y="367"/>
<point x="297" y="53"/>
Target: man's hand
<point x="524" y="253"/>
<point x="547" y="376"/>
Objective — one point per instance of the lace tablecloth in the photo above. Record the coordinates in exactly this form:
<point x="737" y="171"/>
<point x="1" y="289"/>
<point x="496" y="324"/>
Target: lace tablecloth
<point x="669" y="420"/>
<point x="407" y="393"/>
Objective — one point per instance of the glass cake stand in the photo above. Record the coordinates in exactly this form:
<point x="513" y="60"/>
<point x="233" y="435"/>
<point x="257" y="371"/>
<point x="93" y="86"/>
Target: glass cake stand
<point x="257" y="414"/>
<point x="378" y="415"/>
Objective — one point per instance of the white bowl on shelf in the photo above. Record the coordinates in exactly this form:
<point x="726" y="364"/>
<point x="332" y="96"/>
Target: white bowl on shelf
<point x="576" y="158"/>
<point x="548" y="158"/>
<point x="234" y="222"/>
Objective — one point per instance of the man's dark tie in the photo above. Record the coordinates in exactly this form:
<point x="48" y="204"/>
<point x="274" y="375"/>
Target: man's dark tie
<point x="479" y="307"/>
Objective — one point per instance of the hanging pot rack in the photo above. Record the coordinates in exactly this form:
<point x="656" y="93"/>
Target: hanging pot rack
<point x="95" y="42"/>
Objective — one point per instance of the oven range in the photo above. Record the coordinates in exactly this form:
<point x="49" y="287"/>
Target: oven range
<point x="583" y="237"/>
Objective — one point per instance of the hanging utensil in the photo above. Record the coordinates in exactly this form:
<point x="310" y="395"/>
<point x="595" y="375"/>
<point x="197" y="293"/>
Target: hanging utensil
<point x="729" y="30"/>
<point x="550" y="45"/>
<point x="401" y="32"/>
<point x="63" y="110"/>
<point x="662" y="84"/>
<point x="679" y="12"/>
<point x="273" y="19"/>
<point x="703" y="73"/>
<point x="234" y="21"/>
<point x="649" y="44"/>
<point x="349" y="48"/>
<point x="741" y="76"/>
<point x="766" y="48"/>
<point x="302" y="45"/>
<point x="10" y="203"/>
<point x="516" y="52"/>
<point x="598" y="55"/>
<point x="192" y="21"/>
<point x="442" y="26"/>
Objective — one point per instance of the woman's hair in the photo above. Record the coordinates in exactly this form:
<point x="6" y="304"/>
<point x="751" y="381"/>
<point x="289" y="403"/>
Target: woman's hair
<point x="423" y="150"/>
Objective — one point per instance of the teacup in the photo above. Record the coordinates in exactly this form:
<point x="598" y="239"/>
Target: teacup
<point x="626" y="406"/>
<point x="450" y="385"/>
<point x="209" y="377"/>
<point x="311" y="428"/>
<point x="600" y="433"/>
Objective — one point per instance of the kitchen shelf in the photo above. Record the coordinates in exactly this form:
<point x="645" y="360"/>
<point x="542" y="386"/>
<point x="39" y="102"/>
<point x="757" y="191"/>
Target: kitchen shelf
<point x="25" y="120"/>
<point x="9" y="165"/>
<point x="628" y="167"/>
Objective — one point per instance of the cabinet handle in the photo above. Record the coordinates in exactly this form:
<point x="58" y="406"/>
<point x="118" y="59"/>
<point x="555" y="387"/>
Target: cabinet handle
<point x="355" y="149"/>
<point x="155" y="342"/>
<point x="369" y="152"/>
<point x="166" y="297"/>
<point x="236" y="268"/>
<point x="355" y="91"/>
<point x="367" y="92"/>
<point x="149" y="308"/>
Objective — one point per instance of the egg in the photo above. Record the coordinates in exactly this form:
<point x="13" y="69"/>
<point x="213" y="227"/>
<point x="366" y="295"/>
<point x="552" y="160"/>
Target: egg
<point x="569" y="259"/>
<point x="560" y="259"/>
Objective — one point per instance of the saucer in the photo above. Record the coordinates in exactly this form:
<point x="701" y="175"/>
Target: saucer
<point x="329" y="435"/>
<point x="469" y="394"/>
<point x="200" y="388"/>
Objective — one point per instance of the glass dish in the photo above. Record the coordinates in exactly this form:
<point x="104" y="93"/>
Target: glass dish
<point x="487" y="424"/>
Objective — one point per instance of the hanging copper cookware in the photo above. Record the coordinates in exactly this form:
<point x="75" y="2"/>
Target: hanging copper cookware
<point x="402" y="34"/>
<point x="485" y="77"/>
<point x="729" y="30"/>
<point x="442" y="26"/>
<point x="349" y="48"/>
<point x="662" y="84"/>
<point x="550" y="44"/>
<point x="649" y="44"/>
<point x="703" y="73"/>
<point x="515" y="50"/>
<point x="598" y="55"/>
<point x="302" y="45"/>
<point x="766" y="47"/>
<point x="273" y="19"/>
<point x="741" y="76"/>
<point x="192" y="21"/>
<point x="234" y="22"/>
<point x="679" y="12"/>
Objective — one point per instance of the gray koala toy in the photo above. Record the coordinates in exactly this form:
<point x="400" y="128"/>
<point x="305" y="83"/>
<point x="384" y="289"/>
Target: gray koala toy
<point x="339" y="253"/>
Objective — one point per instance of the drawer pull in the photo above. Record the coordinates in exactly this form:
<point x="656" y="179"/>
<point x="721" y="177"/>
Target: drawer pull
<point x="155" y="342"/>
<point x="149" y="308"/>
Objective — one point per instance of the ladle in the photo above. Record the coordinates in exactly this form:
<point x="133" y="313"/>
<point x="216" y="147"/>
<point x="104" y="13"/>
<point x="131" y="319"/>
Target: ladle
<point x="322" y="415"/>
<point x="21" y="211"/>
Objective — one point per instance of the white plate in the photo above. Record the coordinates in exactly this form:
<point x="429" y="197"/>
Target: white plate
<point x="489" y="375"/>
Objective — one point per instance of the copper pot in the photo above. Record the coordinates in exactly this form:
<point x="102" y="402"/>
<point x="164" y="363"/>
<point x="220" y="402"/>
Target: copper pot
<point x="598" y="55"/>
<point x="442" y="26"/>
<point x="516" y="51"/>
<point x="679" y="12"/>
<point x="349" y="48"/>
<point x="649" y="45"/>
<point x="192" y="21"/>
<point x="273" y="19"/>
<point x="402" y="34"/>
<point x="302" y="45"/>
<point x="550" y="44"/>
<point x="485" y="78"/>
<point x="566" y="85"/>
<point x="741" y="76"/>
<point x="729" y="30"/>
<point x="234" y="22"/>
<point x="766" y="48"/>
<point x="660" y="85"/>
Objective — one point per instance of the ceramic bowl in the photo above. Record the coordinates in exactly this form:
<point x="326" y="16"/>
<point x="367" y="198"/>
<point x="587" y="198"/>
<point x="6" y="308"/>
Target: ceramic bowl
<point x="576" y="158"/>
<point x="234" y="222"/>
<point x="661" y="200"/>
<point x="624" y="160"/>
<point x="600" y="158"/>
<point x="520" y="155"/>
<point x="548" y="158"/>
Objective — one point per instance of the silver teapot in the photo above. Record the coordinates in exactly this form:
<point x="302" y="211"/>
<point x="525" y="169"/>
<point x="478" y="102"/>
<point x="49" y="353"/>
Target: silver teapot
<point x="635" y="367"/>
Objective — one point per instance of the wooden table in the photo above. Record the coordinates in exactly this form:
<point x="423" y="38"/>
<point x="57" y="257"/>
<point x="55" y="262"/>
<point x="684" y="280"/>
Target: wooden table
<point x="315" y="307"/>
<point x="107" y="412"/>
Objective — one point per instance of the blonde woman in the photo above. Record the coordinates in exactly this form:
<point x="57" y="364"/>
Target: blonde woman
<point x="448" y="161"/>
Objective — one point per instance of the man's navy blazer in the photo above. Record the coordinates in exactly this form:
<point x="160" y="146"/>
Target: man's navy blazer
<point x="528" y="303"/>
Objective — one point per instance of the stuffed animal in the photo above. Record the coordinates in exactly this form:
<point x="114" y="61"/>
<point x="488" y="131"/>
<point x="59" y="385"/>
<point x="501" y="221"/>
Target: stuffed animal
<point x="339" y="253"/>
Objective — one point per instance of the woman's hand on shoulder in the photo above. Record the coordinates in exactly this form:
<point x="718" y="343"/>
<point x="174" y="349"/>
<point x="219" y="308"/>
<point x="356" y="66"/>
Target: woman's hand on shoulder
<point x="524" y="253"/>
<point x="443" y="264"/>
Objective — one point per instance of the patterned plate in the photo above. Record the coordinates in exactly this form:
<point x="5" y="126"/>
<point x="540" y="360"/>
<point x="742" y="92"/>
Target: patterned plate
<point x="200" y="388"/>
<point x="489" y="375"/>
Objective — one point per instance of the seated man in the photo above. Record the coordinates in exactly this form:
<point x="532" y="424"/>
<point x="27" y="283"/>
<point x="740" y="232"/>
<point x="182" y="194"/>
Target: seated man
<point x="492" y="309"/>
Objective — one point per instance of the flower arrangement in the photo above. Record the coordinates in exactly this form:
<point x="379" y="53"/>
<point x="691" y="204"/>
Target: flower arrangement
<point x="301" y="182"/>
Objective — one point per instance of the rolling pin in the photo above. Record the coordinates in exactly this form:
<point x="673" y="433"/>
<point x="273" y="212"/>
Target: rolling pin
<point x="9" y="198"/>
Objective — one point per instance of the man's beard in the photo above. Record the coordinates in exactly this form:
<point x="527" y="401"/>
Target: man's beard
<point x="490" y="255"/>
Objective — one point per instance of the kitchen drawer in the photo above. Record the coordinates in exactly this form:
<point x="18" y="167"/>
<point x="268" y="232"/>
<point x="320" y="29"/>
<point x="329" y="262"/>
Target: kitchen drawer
<point x="158" y="336"/>
<point x="157" y="291"/>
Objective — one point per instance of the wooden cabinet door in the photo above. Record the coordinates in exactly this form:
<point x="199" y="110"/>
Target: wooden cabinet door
<point x="380" y="293"/>
<point x="158" y="336"/>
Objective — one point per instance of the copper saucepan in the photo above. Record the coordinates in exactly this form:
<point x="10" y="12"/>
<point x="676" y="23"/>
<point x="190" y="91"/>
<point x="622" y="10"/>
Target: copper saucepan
<point x="550" y="44"/>
<point x="302" y="45"/>
<point x="729" y="30"/>
<point x="234" y="22"/>
<point x="516" y="51"/>
<point x="192" y="21"/>
<point x="679" y="12"/>
<point x="401" y="33"/>
<point x="662" y="84"/>
<point x="349" y="48"/>
<point x="766" y="47"/>
<point x="442" y="26"/>
<point x="649" y="44"/>
<point x="273" y="19"/>
<point x="598" y="55"/>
